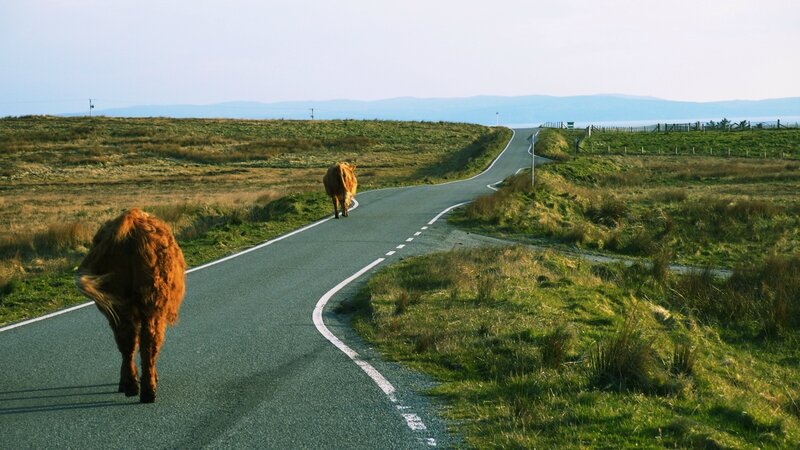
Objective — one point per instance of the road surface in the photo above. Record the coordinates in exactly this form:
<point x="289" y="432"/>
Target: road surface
<point x="248" y="365"/>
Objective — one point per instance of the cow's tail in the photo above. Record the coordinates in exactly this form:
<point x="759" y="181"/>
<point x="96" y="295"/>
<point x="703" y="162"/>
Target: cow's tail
<point x="89" y="286"/>
<point x="347" y="196"/>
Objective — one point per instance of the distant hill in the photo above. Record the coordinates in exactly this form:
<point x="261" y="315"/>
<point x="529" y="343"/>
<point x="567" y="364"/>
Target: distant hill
<point x="533" y="109"/>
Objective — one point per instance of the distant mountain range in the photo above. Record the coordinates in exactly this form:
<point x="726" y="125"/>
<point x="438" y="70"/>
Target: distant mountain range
<point x="532" y="109"/>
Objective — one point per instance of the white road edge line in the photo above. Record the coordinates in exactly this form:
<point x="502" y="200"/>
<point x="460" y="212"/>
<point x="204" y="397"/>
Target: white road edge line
<point x="413" y="421"/>
<point x="438" y="216"/>
<point x="46" y="316"/>
<point x="193" y="269"/>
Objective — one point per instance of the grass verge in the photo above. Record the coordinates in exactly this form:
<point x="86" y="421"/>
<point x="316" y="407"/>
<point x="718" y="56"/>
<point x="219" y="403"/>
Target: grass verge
<point x="538" y="350"/>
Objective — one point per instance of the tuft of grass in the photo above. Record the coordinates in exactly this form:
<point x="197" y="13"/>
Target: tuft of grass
<point x="625" y="361"/>
<point x="610" y="211"/>
<point x="684" y="357"/>
<point x="557" y="345"/>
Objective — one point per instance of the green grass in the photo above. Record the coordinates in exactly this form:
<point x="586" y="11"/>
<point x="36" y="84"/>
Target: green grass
<point x="772" y="143"/>
<point x="222" y="185"/>
<point x="562" y="353"/>
<point x="704" y="211"/>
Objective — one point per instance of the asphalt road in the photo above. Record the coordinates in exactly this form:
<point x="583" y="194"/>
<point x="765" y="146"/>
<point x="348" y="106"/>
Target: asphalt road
<point x="246" y="366"/>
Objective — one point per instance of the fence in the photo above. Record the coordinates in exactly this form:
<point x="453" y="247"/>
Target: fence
<point x="723" y="125"/>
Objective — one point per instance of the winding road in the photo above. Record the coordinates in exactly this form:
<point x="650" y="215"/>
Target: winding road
<point x="257" y="359"/>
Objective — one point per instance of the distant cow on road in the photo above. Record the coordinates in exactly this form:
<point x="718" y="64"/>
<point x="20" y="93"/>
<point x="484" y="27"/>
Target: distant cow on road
<point x="340" y="184"/>
<point x="134" y="272"/>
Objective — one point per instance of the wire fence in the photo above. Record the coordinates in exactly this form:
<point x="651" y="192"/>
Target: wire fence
<point x="723" y="125"/>
<point x="717" y="139"/>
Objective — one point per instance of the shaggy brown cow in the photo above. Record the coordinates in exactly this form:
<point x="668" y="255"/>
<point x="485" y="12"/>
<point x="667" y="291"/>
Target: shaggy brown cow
<point x="341" y="184"/>
<point x="134" y="272"/>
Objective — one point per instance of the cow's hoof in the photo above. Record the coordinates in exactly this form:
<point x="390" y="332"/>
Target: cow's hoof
<point x="130" y="388"/>
<point x="147" y="397"/>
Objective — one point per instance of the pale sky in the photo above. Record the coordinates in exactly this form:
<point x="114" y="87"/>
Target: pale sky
<point x="56" y="54"/>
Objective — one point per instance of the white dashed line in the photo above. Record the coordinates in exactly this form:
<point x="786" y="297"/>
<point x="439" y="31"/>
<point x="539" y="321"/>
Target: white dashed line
<point x="417" y="233"/>
<point x="424" y="228"/>
<point x="400" y="246"/>
<point x="390" y="253"/>
<point x="409" y="239"/>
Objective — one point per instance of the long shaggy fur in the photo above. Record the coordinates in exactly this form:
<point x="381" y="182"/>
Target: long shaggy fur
<point x="340" y="185"/>
<point x="134" y="272"/>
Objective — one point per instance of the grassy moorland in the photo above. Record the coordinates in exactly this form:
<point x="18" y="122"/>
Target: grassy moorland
<point x="714" y="211"/>
<point x="223" y="185"/>
<point x="535" y="349"/>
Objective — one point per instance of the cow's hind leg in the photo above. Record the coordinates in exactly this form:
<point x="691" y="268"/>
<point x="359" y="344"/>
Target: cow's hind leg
<point x="335" y="206"/>
<point x="152" y="335"/>
<point x="126" y="334"/>
<point x="345" y="211"/>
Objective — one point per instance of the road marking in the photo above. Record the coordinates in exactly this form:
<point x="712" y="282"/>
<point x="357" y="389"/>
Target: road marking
<point x="46" y="316"/>
<point x="417" y="233"/>
<point x="390" y="253"/>
<point x="513" y="133"/>
<point x="438" y="216"/>
<point x="424" y="228"/>
<point x="413" y="421"/>
<point x="264" y="244"/>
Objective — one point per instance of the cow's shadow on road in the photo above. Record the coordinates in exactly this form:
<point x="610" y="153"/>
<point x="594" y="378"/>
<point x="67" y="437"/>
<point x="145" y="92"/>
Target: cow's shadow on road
<point x="44" y="399"/>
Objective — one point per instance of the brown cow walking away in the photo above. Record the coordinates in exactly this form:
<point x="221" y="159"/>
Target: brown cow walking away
<point x="134" y="272"/>
<point x="341" y="184"/>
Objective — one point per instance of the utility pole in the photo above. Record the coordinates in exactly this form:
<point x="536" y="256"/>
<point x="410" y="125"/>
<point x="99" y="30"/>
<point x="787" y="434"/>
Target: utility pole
<point x="533" y="158"/>
<point x="91" y="107"/>
<point x="312" y="113"/>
